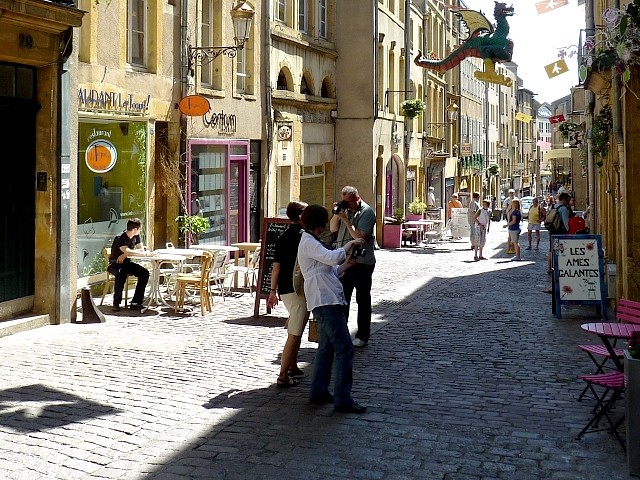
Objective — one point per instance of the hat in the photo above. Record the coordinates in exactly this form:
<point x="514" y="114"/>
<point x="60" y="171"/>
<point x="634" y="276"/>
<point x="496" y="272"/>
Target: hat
<point x="454" y="195"/>
<point x="511" y="190"/>
<point x="431" y="188"/>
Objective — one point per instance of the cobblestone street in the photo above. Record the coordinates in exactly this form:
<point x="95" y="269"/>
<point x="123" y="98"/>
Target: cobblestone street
<point x="467" y="376"/>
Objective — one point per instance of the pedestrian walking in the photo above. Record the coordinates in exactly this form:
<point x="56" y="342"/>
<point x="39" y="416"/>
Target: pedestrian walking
<point x="357" y="221"/>
<point x="284" y="258"/>
<point x="514" y="228"/>
<point x="472" y="209"/>
<point x="482" y="221"/>
<point x="508" y="208"/>
<point x="321" y="268"/>
<point x="537" y="214"/>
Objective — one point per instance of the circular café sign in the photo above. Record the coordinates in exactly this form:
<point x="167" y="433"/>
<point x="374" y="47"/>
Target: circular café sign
<point x="100" y="156"/>
<point x="194" y="105"/>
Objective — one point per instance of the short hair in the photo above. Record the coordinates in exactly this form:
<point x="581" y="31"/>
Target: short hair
<point x="314" y="216"/>
<point x="564" y="196"/>
<point x="535" y="200"/>
<point x="454" y="195"/>
<point x="476" y="195"/>
<point x="486" y="203"/>
<point x="294" y="209"/>
<point x="350" y="189"/>
<point x="133" y="223"/>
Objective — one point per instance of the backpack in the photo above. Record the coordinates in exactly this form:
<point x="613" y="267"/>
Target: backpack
<point x="553" y="222"/>
<point x="577" y="225"/>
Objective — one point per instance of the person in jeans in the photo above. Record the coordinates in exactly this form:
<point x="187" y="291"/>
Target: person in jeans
<point x="125" y="245"/>
<point x="321" y="268"/>
<point x="357" y="222"/>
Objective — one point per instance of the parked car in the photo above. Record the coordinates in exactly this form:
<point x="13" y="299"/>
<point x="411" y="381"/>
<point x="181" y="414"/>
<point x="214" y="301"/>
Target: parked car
<point x="525" y="205"/>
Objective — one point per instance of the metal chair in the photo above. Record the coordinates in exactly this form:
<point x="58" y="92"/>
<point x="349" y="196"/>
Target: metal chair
<point x="250" y="271"/>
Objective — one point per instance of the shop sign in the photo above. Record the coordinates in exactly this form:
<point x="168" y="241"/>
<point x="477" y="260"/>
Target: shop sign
<point x="112" y="102"/>
<point x="465" y="149"/>
<point x="194" y="105"/>
<point x="225" y="123"/>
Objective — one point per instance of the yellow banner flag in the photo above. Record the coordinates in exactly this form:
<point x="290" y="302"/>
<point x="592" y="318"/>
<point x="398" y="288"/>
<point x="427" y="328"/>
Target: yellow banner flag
<point x="556" y="68"/>
<point x="523" y="117"/>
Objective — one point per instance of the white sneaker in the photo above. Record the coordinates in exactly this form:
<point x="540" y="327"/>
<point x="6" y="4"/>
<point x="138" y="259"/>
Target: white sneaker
<point x="357" y="342"/>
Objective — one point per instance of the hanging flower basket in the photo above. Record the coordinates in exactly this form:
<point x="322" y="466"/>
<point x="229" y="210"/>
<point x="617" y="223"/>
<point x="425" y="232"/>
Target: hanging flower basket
<point x="566" y="128"/>
<point x="412" y="108"/>
<point x="601" y="129"/>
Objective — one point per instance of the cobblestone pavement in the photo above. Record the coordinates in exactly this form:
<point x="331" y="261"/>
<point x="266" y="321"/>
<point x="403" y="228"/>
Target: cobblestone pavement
<point x="467" y="376"/>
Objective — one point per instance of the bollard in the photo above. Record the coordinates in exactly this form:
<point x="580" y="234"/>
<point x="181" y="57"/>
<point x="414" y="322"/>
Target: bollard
<point x="90" y="313"/>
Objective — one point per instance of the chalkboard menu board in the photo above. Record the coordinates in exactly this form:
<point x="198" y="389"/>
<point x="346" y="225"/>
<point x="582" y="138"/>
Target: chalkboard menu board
<point x="578" y="275"/>
<point x="272" y="228"/>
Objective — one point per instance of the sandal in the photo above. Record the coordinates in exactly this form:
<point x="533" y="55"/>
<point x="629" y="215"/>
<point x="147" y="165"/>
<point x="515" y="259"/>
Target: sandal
<point x="295" y="372"/>
<point x="287" y="382"/>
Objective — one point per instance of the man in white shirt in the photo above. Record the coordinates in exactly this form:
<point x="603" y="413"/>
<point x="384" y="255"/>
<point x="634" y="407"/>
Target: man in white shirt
<point x="431" y="198"/>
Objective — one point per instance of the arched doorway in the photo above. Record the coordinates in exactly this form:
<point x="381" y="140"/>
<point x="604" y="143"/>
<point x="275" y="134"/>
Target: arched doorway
<point x="394" y="185"/>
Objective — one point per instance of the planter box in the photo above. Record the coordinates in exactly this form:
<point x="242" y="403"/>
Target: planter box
<point x="632" y="415"/>
<point x="391" y="236"/>
<point x="413" y="217"/>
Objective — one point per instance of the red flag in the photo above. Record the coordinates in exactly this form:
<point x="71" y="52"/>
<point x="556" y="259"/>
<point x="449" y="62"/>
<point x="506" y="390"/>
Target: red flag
<point x="556" y="119"/>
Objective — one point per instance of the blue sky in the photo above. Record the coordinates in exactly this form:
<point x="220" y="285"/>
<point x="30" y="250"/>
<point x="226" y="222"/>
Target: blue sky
<point x="537" y="41"/>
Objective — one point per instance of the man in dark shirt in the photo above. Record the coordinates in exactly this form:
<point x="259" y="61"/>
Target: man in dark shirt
<point x="125" y="245"/>
<point x="282" y="288"/>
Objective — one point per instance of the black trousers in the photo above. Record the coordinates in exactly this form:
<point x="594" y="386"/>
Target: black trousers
<point x="359" y="277"/>
<point x="121" y="271"/>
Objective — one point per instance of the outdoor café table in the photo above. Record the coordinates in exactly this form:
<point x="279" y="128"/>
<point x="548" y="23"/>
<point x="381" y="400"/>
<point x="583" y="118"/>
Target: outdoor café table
<point x="608" y="330"/>
<point x="247" y="248"/>
<point x="156" y="259"/>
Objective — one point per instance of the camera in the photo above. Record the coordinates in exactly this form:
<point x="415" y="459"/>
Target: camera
<point x="358" y="252"/>
<point x="340" y="206"/>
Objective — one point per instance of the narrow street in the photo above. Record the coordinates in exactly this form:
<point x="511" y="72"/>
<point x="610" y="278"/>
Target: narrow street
<point x="467" y="376"/>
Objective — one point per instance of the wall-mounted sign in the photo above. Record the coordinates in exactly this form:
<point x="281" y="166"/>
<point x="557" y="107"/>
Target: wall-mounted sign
<point x="112" y="102"/>
<point x="465" y="149"/>
<point x="100" y="156"/>
<point x="224" y="122"/>
<point x="194" y="105"/>
<point x="285" y="131"/>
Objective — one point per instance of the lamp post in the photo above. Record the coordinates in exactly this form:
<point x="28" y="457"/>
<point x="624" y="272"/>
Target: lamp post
<point x="242" y="17"/>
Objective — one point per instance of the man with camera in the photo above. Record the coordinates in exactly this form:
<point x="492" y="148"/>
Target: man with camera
<point x="353" y="219"/>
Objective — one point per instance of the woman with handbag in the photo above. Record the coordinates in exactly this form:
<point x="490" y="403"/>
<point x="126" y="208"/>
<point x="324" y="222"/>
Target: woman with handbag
<point x="321" y="268"/>
<point x="286" y="250"/>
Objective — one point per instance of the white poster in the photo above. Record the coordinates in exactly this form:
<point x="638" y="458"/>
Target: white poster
<point x="578" y="269"/>
<point x="459" y="223"/>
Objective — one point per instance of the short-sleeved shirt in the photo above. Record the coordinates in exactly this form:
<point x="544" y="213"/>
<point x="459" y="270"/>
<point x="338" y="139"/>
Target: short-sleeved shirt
<point x="285" y="254"/>
<point x="518" y="216"/>
<point x="474" y="206"/>
<point x="121" y="241"/>
<point x="363" y="219"/>
<point x="484" y="216"/>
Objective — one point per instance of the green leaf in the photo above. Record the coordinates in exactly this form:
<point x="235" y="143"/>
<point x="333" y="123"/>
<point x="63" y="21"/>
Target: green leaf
<point x="626" y="75"/>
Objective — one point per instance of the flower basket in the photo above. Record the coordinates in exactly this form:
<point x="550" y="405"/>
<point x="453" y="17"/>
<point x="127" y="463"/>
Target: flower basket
<point x="412" y="108"/>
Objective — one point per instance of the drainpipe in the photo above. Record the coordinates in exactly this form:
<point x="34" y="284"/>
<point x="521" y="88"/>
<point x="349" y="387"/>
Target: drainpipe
<point x="63" y="254"/>
<point x="620" y="197"/>
<point x="589" y="101"/>
<point x="376" y="82"/>
<point x="407" y="83"/>
<point x="268" y="117"/>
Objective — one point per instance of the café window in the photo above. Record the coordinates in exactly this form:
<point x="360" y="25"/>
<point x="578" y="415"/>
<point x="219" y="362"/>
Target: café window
<point x="112" y="186"/>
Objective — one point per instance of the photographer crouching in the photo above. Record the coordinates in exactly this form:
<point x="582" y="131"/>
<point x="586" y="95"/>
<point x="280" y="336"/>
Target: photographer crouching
<point x="353" y="219"/>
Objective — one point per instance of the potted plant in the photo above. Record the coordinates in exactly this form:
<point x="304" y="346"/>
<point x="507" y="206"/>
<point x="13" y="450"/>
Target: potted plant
<point x="192" y="226"/>
<point x="416" y="209"/>
<point x="392" y="229"/>
<point x="412" y="108"/>
<point x="632" y="399"/>
<point x="601" y="129"/>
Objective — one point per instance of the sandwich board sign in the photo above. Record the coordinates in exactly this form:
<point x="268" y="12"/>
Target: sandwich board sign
<point x="578" y="273"/>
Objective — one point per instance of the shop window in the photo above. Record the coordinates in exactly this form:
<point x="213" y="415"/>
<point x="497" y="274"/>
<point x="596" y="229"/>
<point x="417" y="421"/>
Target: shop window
<point x="112" y="186"/>
<point x="137" y="33"/>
